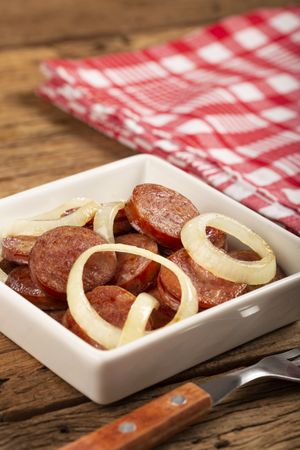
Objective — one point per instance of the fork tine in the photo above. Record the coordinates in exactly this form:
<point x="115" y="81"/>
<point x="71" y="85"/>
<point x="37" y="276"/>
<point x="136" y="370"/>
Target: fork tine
<point x="290" y="354"/>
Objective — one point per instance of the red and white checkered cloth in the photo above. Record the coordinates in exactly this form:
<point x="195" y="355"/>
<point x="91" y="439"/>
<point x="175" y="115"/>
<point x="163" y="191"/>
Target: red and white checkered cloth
<point x="222" y="103"/>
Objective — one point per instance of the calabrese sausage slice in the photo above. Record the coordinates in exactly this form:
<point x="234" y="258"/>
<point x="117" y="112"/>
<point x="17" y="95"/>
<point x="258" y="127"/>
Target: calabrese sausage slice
<point x="19" y="279"/>
<point x="160" y="213"/>
<point x="135" y="273"/>
<point x="57" y="315"/>
<point x="211" y="290"/>
<point x="163" y="315"/>
<point x="17" y="248"/>
<point x="112" y="303"/>
<point x="7" y="266"/>
<point x="121" y="223"/>
<point x="55" y="252"/>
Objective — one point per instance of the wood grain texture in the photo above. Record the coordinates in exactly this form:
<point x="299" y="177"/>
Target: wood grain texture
<point x="50" y="22"/>
<point x="39" y="144"/>
<point x="260" y="415"/>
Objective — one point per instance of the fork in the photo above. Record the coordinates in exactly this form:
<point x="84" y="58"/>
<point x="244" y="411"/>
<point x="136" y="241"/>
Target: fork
<point x="156" y="421"/>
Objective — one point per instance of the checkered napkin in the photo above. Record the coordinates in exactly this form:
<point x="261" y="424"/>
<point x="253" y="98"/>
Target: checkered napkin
<point x="222" y="103"/>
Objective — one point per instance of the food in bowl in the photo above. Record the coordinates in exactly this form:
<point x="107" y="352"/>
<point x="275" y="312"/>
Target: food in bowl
<point x="120" y="270"/>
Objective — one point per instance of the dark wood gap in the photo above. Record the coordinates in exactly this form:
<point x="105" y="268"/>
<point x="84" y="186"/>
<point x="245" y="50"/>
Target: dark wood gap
<point x="25" y="414"/>
<point x="124" y="37"/>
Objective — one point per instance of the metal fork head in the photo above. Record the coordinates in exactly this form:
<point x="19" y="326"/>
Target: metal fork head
<point x="276" y="366"/>
<point x="290" y="354"/>
<point x="281" y="365"/>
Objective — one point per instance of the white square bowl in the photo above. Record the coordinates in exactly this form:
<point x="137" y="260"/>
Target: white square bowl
<point x="106" y="376"/>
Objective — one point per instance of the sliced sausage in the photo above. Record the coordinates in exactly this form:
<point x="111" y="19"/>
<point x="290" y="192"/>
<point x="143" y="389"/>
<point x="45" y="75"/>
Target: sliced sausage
<point x="244" y="255"/>
<point x="7" y="266"/>
<point x="165" y="252"/>
<point x="112" y="303"/>
<point x="17" y="248"/>
<point x="160" y="213"/>
<point x="57" y="315"/>
<point x="135" y="273"/>
<point x="19" y="280"/>
<point x="163" y="315"/>
<point x="211" y="290"/>
<point x="55" y="252"/>
<point x="121" y="223"/>
<point x="167" y="299"/>
<point x="217" y="237"/>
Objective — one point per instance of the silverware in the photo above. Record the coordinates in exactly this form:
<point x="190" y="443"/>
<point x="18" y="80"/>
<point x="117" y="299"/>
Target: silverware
<point x="275" y="366"/>
<point x="156" y="421"/>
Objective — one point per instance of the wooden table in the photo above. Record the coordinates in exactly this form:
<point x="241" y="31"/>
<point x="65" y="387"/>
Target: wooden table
<point x="39" y="144"/>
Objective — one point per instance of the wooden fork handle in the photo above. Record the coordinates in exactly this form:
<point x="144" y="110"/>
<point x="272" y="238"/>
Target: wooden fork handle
<point x="151" y="424"/>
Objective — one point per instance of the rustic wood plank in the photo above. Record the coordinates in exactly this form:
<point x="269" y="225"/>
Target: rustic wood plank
<point x="29" y="126"/>
<point x="24" y="378"/>
<point x="6" y="345"/>
<point x="34" y="385"/>
<point x="50" y="22"/>
<point x="254" y="417"/>
<point x="55" y="21"/>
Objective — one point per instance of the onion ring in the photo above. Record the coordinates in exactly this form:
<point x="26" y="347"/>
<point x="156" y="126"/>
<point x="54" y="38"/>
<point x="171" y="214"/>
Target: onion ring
<point x="30" y="227"/>
<point x="104" y="219"/>
<point x="3" y="275"/>
<point x="204" y="253"/>
<point x="88" y="319"/>
<point x="56" y="213"/>
<point x="137" y="318"/>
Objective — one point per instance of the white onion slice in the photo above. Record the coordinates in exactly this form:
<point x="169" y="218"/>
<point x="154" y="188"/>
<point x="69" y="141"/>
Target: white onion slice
<point x="87" y="318"/>
<point x="56" y="213"/>
<point x="204" y="253"/>
<point x="29" y="227"/>
<point x="137" y="319"/>
<point x="104" y="219"/>
<point x="3" y="275"/>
